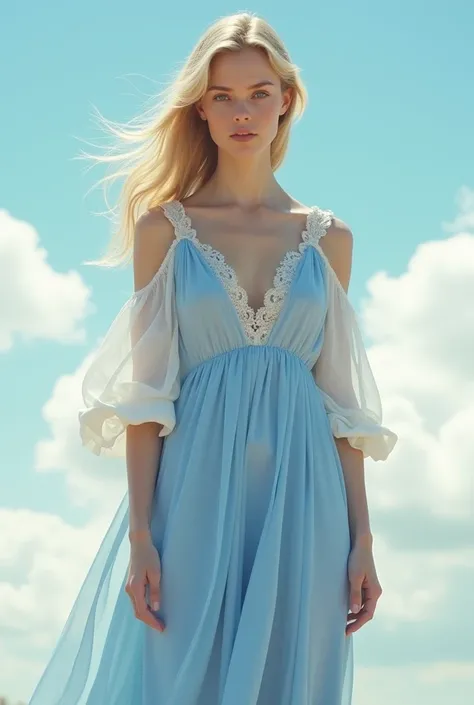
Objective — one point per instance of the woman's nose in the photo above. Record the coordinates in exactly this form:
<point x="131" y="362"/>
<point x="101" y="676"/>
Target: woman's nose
<point x="241" y="112"/>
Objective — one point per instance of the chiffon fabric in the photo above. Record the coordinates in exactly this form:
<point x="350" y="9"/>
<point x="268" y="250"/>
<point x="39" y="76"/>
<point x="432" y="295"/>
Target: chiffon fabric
<point x="249" y="511"/>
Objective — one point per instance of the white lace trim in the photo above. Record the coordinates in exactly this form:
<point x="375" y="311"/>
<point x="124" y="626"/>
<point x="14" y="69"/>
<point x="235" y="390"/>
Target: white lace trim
<point x="257" y="324"/>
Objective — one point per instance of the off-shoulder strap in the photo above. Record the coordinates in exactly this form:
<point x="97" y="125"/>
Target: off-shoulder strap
<point x="176" y="214"/>
<point x="318" y="223"/>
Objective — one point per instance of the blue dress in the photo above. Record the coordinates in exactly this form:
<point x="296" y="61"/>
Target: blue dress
<point x="250" y="509"/>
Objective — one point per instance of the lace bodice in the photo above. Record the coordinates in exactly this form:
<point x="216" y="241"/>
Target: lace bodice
<point x="256" y="323"/>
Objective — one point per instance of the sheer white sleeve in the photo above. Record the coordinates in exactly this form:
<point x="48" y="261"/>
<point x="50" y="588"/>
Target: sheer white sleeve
<point x="344" y="376"/>
<point x="134" y="374"/>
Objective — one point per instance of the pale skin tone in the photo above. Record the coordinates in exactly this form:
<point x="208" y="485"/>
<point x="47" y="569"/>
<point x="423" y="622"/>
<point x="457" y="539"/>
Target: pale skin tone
<point x="241" y="210"/>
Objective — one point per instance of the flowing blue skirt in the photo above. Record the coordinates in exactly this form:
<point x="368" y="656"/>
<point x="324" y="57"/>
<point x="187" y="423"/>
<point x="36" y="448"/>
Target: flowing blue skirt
<point x="250" y="520"/>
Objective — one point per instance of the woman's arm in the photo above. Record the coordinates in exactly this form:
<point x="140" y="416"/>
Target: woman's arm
<point x="352" y="461"/>
<point x="153" y="236"/>
<point x="143" y="457"/>
<point x="337" y="245"/>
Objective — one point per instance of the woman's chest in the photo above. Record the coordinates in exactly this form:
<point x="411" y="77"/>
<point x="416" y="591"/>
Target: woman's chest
<point x="212" y="301"/>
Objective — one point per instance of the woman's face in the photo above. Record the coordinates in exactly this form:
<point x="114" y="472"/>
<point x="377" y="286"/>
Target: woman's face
<point x="234" y="100"/>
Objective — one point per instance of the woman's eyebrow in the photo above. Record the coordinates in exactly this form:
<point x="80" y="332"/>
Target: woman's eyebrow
<point x="226" y="88"/>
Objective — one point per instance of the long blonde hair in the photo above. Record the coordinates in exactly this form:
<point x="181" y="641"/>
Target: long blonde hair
<point x="167" y="152"/>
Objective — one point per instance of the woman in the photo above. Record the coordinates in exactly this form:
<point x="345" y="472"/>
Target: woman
<point x="237" y="574"/>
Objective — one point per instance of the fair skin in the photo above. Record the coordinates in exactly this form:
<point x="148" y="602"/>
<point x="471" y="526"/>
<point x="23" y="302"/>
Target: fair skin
<point x="242" y="209"/>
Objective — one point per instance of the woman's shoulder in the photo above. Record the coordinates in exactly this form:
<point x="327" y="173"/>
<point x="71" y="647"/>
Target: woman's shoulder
<point x="337" y="245"/>
<point x="153" y="237"/>
<point x="338" y="234"/>
<point x="154" y="222"/>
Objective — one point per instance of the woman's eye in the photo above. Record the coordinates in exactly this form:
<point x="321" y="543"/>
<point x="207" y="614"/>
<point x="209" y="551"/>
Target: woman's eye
<point x="224" y="95"/>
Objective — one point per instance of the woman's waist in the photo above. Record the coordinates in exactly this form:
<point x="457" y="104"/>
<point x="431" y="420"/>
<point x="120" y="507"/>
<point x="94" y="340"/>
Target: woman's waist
<point x="248" y="359"/>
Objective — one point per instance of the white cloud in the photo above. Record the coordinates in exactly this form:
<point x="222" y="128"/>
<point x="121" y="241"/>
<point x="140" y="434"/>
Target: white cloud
<point x="43" y="561"/>
<point x="422" y="321"/>
<point x="431" y="469"/>
<point x="93" y="482"/>
<point x="35" y="300"/>
<point x="422" y="325"/>
<point x="422" y="683"/>
<point x="464" y="219"/>
<point x="416" y="583"/>
<point x="35" y="547"/>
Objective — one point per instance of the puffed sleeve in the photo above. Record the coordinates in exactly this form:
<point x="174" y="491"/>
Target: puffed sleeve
<point x="345" y="378"/>
<point x="134" y="374"/>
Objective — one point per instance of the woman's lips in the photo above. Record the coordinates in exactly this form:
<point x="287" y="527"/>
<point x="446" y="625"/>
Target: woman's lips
<point x="243" y="138"/>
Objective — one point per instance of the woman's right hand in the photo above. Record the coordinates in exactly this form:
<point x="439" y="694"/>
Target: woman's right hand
<point x="145" y="571"/>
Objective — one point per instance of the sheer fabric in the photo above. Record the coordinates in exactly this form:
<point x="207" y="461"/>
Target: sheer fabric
<point x="134" y="375"/>
<point x="345" y="378"/>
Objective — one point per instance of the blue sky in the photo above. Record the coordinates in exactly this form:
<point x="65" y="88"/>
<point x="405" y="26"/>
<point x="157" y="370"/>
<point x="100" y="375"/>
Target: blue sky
<point x="386" y="143"/>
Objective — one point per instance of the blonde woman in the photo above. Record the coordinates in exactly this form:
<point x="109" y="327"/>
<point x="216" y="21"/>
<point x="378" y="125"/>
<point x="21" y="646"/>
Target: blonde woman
<point x="235" y="382"/>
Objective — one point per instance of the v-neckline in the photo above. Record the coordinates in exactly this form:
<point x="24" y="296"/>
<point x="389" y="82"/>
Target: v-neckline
<point x="257" y="324"/>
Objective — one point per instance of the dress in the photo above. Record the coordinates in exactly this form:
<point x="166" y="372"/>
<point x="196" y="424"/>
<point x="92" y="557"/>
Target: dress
<point x="250" y="510"/>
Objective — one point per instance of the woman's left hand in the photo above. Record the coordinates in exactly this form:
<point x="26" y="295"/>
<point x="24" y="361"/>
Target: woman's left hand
<point x="365" y="588"/>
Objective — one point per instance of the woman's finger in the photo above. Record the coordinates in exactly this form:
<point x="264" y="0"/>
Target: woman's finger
<point x="154" y="595"/>
<point x="362" y="617"/>
<point x="141" y="608"/>
<point x="149" y="618"/>
<point x="355" y="626"/>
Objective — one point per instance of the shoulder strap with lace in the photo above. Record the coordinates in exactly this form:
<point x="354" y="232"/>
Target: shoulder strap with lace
<point x="177" y="215"/>
<point x="318" y="224"/>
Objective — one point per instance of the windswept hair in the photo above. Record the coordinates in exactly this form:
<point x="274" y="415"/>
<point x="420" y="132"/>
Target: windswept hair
<point x="167" y="152"/>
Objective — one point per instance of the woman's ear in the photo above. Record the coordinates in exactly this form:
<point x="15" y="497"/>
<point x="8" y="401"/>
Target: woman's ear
<point x="286" y="100"/>
<point x="200" y="111"/>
